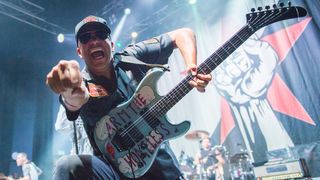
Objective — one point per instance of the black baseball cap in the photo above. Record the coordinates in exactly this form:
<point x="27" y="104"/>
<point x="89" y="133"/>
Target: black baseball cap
<point x="91" y="23"/>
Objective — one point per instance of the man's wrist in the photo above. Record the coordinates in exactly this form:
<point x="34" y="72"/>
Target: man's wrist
<point x="69" y="106"/>
<point x="76" y="101"/>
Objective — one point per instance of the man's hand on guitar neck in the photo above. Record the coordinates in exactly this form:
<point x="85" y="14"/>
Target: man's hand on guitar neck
<point x="199" y="81"/>
<point x="185" y="40"/>
<point x="65" y="79"/>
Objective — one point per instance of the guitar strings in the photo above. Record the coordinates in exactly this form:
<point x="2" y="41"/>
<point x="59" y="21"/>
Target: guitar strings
<point x="163" y="101"/>
<point x="177" y="89"/>
<point x="136" y="122"/>
<point x="212" y="61"/>
<point x="159" y="103"/>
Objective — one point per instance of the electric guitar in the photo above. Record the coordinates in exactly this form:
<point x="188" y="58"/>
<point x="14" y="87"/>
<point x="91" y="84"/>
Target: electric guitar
<point x="131" y="134"/>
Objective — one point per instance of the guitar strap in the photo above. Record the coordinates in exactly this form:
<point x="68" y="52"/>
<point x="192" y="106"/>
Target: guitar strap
<point x="133" y="60"/>
<point x="127" y="79"/>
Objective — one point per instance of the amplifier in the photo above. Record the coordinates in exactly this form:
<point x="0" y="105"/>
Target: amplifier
<point x="282" y="170"/>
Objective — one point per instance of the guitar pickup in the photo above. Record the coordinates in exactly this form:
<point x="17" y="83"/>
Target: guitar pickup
<point x="122" y="142"/>
<point x="125" y="140"/>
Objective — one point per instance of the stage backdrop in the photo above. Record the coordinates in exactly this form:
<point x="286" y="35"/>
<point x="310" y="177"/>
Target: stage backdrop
<point x="264" y="98"/>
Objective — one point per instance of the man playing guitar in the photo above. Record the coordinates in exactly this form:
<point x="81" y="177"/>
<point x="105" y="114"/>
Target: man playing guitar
<point x="102" y="86"/>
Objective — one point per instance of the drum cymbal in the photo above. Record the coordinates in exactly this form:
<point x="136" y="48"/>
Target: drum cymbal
<point x="197" y="135"/>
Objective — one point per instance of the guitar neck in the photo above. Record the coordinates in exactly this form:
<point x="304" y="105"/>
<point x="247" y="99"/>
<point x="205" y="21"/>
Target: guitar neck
<point x="183" y="88"/>
<point x="225" y="50"/>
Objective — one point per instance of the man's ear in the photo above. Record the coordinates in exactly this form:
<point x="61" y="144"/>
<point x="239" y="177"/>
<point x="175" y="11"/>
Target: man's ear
<point x="112" y="46"/>
<point x="79" y="52"/>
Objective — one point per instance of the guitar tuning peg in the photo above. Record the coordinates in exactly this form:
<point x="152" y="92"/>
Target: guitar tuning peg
<point x="253" y="10"/>
<point x="260" y="8"/>
<point x="289" y="4"/>
<point x="281" y="4"/>
<point x="267" y="7"/>
<point x="274" y="6"/>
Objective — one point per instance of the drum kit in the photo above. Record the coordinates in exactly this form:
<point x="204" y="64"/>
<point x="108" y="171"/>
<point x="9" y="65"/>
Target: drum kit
<point x="236" y="167"/>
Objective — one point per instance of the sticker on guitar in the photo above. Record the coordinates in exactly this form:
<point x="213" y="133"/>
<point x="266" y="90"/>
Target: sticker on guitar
<point x="136" y="158"/>
<point x="108" y="125"/>
<point x="144" y="97"/>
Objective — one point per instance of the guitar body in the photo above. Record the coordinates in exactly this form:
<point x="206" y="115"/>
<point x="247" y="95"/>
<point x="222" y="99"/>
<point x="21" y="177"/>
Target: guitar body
<point x="131" y="134"/>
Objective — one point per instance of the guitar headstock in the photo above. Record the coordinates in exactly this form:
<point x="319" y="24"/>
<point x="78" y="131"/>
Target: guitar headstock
<point x="260" y="18"/>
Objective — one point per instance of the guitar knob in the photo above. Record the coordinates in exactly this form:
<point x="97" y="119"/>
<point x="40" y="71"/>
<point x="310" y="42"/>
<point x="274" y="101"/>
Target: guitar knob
<point x="267" y="7"/>
<point x="281" y="4"/>
<point x="289" y="4"/>
<point x="253" y="10"/>
<point x="260" y="8"/>
<point x="274" y="6"/>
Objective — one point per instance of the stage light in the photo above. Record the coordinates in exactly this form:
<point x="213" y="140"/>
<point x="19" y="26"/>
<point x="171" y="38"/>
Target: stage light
<point x="127" y="11"/>
<point x="134" y="35"/>
<point x="14" y="155"/>
<point x="60" y="38"/>
<point x="192" y="1"/>
<point x="118" y="44"/>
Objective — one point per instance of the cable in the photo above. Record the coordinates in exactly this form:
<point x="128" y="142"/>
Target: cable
<point x="75" y="137"/>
